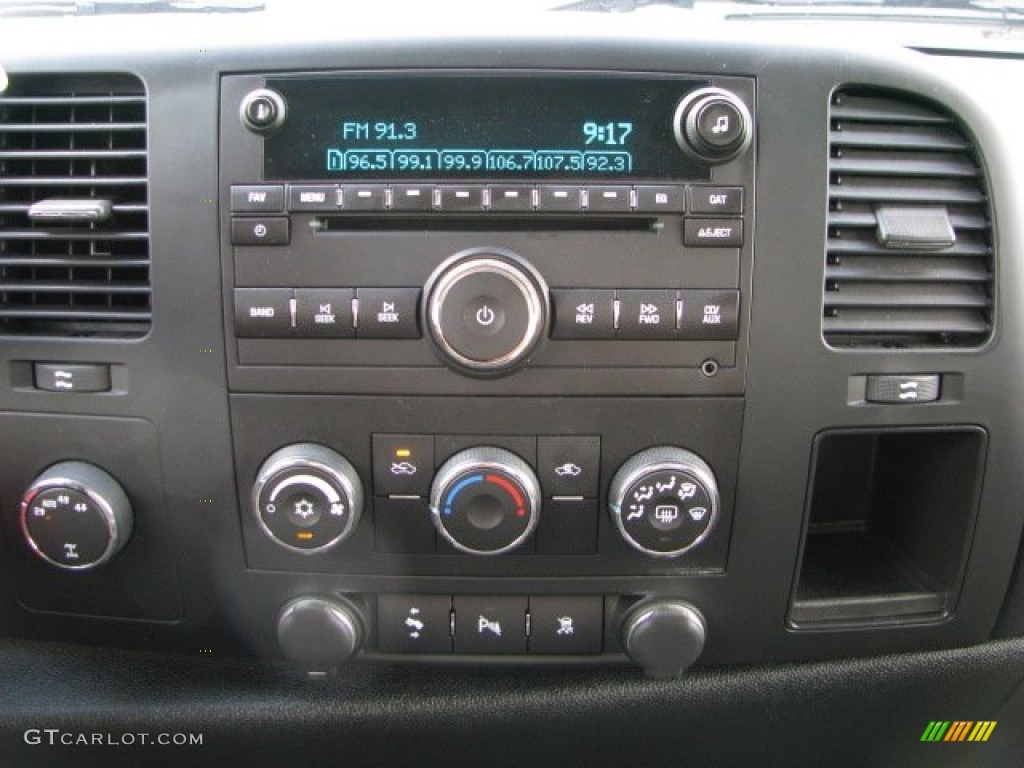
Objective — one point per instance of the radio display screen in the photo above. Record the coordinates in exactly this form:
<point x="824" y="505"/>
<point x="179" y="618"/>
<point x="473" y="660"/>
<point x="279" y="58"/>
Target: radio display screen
<point x="478" y="127"/>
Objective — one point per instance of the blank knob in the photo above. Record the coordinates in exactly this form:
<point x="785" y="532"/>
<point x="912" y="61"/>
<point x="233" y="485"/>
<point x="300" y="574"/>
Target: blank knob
<point x="664" y="637"/>
<point x="319" y="633"/>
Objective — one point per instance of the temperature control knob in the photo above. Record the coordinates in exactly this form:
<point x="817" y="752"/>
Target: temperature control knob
<point x="664" y="501"/>
<point x="712" y="125"/>
<point x="75" y="516"/>
<point x="486" y="310"/>
<point x="485" y="501"/>
<point x="307" y="498"/>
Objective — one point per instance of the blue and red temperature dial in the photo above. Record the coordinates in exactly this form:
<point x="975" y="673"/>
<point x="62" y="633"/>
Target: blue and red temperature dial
<point x="485" y="501"/>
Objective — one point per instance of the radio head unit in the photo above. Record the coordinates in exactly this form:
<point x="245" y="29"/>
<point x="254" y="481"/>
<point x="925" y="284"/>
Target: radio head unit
<point x="489" y="233"/>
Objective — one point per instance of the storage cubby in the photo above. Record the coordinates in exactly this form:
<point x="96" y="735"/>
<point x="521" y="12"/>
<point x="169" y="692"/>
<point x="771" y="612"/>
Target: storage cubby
<point x="889" y="524"/>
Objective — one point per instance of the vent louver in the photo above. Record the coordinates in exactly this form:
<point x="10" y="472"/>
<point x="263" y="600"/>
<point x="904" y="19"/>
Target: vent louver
<point x="897" y="158"/>
<point x="74" y="215"/>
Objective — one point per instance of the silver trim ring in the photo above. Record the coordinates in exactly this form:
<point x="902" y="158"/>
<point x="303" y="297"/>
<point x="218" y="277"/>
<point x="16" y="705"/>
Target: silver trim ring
<point x="106" y="510"/>
<point x="296" y="457"/>
<point x="497" y="459"/>
<point x="637" y="467"/>
<point x="530" y="287"/>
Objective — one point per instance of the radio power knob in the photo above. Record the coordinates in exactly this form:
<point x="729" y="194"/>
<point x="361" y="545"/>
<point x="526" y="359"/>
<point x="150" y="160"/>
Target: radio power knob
<point x="485" y="501"/>
<point x="664" y="501"/>
<point x="307" y="498"/>
<point x="75" y="516"/>
<point x="712" y="125"/>
<point x="486" y="311"/>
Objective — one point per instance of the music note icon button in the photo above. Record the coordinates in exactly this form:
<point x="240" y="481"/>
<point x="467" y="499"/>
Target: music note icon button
<point x="719" y="123"/>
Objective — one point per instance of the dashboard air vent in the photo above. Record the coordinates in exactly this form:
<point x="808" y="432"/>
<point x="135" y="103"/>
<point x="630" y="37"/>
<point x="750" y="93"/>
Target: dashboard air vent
<point x="909" y="259"/>
<point x="74" y="208"/>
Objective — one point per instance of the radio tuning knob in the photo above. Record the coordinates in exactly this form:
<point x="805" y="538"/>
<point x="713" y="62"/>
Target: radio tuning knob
<point x="75" y="516"/>
<point x="307" y="498"/>
<point x="486" y="310"/>
<point x="485" y="501"/>
<point x="664" y="501"/>
<point x="712" y="125"/>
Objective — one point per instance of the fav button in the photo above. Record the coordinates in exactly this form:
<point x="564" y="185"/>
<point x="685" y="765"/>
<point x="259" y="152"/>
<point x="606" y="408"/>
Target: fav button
<point x="257" y="198"/>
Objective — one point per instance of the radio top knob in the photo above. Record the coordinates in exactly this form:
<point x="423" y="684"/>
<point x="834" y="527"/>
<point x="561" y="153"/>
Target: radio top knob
<point x="486" y="310"/>
<point x="712" y="125"/>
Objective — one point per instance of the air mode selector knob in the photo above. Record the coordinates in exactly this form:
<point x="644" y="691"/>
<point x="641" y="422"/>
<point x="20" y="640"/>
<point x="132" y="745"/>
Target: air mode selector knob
<point x="307" y="498"/>
<point x="664" y="501"/>
<point x="486" y="309"/>
<point x="712" y="125"/>
<point x="75" y="516"/>
<point x="485" y="501"/>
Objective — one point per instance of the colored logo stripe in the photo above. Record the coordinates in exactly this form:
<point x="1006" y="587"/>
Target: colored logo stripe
<point x="958" y="730"/>
<point x="982" y="730"/>
<point x="935" y="731"/>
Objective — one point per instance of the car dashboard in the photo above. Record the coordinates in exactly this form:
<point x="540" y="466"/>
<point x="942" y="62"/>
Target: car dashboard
<point x="586" y="392"/>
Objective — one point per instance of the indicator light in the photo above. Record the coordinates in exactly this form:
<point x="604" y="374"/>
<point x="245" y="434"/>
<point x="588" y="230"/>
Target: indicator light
<point x="403" y="453"/>
<point x="304" y="535"/>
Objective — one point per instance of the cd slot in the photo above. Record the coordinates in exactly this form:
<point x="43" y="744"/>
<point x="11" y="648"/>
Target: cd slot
<point x="393" y="223"/>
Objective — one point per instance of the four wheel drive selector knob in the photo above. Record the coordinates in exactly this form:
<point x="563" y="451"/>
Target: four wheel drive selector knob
<point x="75" y="516"/>
<point x="485" y="501"/>
<point x="486" y="310"/>
<point x="307" y="498"/>
<point x="664" y="501"/>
